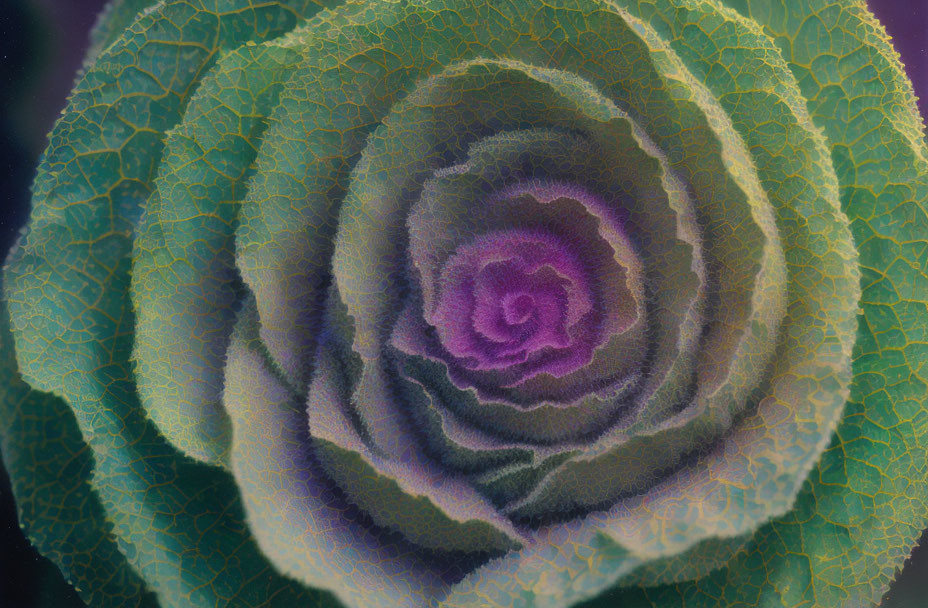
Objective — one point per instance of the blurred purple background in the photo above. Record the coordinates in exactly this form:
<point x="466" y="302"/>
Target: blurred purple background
<point x="42" y="43"/>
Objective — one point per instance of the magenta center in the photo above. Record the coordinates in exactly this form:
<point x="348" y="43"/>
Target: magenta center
<point x="517" y="308"/>
<point x="516" y="299"/>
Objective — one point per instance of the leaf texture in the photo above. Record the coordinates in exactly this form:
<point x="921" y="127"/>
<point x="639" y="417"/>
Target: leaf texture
<point x="475" y="303"/>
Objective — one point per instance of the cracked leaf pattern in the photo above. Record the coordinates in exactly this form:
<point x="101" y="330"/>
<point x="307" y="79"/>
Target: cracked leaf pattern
<point x="447" y="303"/>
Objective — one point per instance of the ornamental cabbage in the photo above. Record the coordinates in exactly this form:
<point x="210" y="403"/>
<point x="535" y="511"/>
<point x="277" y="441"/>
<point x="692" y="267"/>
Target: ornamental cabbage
<point x="462" y="303"/>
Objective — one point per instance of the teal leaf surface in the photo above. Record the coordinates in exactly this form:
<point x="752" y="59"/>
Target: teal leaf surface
<point x="183" y="274"/>
<point x="50" y="468"/>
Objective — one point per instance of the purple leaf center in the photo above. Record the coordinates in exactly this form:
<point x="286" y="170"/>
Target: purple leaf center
<point x="515" y="297"/>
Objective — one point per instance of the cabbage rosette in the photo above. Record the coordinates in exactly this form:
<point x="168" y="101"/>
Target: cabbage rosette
<point x="402" y="303"/>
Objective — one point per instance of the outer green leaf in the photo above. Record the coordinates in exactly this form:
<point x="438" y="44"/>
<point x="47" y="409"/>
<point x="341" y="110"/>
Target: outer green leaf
<point x="183" y="274"/>
<point x="112" y="21"/>
<point x="811" y="369"/>
<point x="180" y="524"/>
<point x="864" y="505"/>
<point x="50" y="468"/>
<point x="284" y="239"/>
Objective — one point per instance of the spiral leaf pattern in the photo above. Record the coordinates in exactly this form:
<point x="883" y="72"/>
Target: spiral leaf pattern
<point x="475" y="303"/>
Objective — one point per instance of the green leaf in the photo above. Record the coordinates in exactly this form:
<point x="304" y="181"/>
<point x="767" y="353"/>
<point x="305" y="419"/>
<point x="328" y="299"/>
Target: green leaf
<point x="179" y="524"/>
<point x="184" y="283"/>
<point x="863" y="506"/>
<point x="50" y="470"/>
<point x="112" y="21"/>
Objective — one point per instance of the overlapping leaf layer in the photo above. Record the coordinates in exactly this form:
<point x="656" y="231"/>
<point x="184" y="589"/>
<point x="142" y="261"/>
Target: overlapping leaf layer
<point x="475" y="303"/>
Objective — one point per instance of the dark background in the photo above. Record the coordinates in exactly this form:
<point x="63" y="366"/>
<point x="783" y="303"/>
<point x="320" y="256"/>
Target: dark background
<point x="42" y="43"/>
